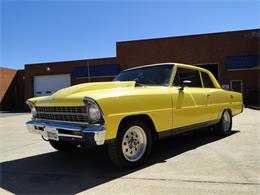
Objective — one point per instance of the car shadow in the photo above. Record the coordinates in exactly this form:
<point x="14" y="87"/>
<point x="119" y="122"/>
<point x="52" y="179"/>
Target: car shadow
<point x="70" y="173"/>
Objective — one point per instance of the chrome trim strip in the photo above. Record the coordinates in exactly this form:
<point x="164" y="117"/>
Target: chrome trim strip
<point x="70" y="109"/>
<point x="59" y="121"/>
<point x="68" y="135"/>
<point x="64" y="113"/>
<point x="30" y="104"/>
<point x="56" y="125"/>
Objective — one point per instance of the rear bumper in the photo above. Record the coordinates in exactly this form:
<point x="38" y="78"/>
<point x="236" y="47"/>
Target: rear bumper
<point x="88" y="134"/>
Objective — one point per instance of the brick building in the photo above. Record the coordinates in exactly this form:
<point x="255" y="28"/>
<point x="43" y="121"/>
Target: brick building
<point x="233" y="57"/>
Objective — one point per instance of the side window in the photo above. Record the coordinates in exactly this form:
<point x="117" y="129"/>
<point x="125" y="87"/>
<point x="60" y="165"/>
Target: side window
<point x="187" y="74"/>
<point x="207" y="80"/>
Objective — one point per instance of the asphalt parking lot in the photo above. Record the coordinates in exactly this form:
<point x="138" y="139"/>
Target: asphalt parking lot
<point x="197" y="163"/>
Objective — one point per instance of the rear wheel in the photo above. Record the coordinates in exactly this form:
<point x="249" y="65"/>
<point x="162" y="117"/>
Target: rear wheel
<point x="225" y="125"/>
<point x="62" y="146"/>
<point x="132" y="145"/>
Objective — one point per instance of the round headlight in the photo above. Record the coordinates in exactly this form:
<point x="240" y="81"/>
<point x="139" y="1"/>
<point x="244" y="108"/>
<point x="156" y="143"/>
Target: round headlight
<point x="94" y="113"/>
<point x="34" y="112"/>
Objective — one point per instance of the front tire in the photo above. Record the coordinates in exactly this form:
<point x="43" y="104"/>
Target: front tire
<point x="62" y="146"/>
<point x="225" y="125"/>
<point x="132" y="145"/>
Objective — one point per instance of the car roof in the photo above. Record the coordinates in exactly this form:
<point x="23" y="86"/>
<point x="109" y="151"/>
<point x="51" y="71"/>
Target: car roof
<point x="182" y="66"/>
<point x="169" y="63"/>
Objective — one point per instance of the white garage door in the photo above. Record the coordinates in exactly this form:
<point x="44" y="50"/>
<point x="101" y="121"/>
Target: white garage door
<point x="49" y="84"/>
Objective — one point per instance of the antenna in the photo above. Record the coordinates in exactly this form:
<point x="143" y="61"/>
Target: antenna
<point x="88" y="72"/>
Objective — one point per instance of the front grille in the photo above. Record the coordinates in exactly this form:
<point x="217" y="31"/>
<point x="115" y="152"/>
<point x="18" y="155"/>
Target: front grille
<point x="68" y="113"/>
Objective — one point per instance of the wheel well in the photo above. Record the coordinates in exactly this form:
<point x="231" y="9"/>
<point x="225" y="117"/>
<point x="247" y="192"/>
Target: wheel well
<point x="228" y="109"/>
<point x="142" y="117"/>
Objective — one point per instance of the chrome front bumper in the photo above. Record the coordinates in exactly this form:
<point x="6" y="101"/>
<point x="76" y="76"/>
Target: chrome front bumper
<point x="88" y="134"/>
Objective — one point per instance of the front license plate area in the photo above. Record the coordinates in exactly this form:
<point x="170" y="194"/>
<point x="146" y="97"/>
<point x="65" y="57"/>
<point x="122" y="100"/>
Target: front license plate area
<point x="52" y="133"/>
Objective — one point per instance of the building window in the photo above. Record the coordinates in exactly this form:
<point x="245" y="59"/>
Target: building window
<point x="236" y="85"/>
<point x="92" y="71"/>
<point x="242" y="62"/>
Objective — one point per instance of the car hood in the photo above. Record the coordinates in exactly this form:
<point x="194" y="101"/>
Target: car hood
<point x="75" y="94"/>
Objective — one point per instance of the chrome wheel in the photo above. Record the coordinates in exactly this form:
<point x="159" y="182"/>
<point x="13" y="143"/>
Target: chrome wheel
<point x="134" y="143"/>
<point x="226" y="121"/>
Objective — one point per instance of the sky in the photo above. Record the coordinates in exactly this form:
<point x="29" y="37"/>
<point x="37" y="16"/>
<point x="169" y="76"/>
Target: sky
<point x="48" y="31"/>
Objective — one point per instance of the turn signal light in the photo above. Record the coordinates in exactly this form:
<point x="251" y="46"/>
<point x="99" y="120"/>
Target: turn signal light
<point x="38" y="128"/>
<point x="76" y="133"/>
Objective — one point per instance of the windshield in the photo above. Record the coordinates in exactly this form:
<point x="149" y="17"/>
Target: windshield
<point x="151" y="75"/>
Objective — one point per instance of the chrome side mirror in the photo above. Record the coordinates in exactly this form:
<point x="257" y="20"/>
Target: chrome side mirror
<point x="184" y="83"/>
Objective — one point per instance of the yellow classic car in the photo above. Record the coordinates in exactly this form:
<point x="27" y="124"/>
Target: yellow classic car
<point x="128" y="114"/>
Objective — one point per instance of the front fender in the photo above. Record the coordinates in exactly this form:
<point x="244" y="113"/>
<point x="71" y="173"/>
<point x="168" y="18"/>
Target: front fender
<point x="157" y="104"/>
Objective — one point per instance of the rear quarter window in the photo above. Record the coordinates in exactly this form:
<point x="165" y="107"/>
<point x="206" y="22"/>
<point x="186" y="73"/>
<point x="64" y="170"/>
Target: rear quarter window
<point x="207" y="80"/>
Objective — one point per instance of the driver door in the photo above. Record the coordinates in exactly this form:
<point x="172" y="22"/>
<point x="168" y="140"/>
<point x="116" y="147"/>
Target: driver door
<point x="188" y="103"/>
